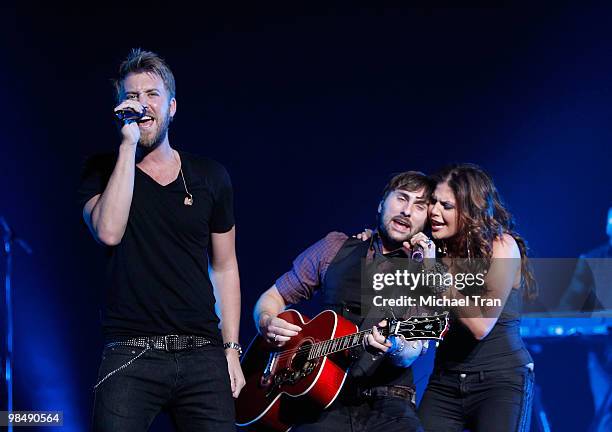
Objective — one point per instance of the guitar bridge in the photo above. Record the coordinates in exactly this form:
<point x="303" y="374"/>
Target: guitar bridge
<point x="291" y="376"/>
<point x="288" y="376"/>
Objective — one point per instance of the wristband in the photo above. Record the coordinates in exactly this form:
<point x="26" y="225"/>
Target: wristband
<point x="397" y="345"/>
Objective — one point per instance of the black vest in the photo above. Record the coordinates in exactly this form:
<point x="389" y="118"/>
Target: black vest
<point x="341" y="290"/>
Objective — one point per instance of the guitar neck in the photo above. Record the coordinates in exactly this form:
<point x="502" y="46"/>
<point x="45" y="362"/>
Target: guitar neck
<point x="426" y="327"/>
<point x="331" y="346"/>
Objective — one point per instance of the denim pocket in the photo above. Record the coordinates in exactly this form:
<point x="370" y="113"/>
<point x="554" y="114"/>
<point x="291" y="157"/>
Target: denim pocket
<point x="115" y="359"/>
<point x="121" y="350"/>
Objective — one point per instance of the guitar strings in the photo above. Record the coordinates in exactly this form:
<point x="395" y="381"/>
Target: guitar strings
<point x="304" y="348"/>
<point x="309" y="347"/>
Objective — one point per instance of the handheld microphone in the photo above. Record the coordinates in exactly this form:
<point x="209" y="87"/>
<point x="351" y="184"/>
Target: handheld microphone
<point x="128" y="114"/>
<point x="417" y="254"/>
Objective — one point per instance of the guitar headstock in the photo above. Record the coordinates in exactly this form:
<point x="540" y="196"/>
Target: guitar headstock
<point x="424" y="327"/>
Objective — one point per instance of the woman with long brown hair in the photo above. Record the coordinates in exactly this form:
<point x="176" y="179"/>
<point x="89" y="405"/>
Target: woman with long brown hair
<point x="483" y="374"/>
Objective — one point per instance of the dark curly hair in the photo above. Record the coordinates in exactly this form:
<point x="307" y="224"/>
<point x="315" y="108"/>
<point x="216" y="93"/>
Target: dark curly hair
<point x="482" y="218"/>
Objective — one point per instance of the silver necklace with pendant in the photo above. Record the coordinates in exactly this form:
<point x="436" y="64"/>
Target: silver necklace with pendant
<point x="188" y="201"/>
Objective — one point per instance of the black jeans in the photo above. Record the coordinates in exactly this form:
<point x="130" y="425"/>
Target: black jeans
<point x="193" y="385"/>
<point x="389" y="414"/>
<point x="491" y="401"/>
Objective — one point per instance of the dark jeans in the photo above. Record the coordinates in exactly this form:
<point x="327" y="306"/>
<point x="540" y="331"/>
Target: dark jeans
<point x="193" y="385"/>
<point x="387" y="414"/>
<point x="491" y="401"/>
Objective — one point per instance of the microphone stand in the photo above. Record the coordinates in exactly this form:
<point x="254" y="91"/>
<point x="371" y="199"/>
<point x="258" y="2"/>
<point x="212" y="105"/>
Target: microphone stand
<point x="10" y="239"/>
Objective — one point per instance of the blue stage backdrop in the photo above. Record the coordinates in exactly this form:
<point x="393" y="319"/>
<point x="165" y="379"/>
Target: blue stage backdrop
<point x="311" y="110"/>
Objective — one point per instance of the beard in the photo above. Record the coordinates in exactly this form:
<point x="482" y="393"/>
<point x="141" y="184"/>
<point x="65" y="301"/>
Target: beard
<point x="150" y="144"/>
<point x="391" y="240"/>
<point x="388" y="240"/>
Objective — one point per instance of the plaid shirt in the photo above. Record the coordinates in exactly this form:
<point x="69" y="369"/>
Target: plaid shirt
<point x="309" y="268"/>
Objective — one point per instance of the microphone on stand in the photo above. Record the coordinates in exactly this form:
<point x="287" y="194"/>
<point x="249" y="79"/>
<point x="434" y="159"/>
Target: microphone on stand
<point x="129" y="114"/>
<point x="11" y="237"/>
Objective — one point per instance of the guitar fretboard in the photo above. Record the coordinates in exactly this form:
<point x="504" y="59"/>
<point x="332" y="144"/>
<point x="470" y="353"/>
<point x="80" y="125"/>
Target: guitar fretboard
<point x="331" y="346"/>
<point x="414" y="328"/>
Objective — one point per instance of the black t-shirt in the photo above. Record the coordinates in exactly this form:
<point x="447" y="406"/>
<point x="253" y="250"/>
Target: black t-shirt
<point x="158" y="281"/>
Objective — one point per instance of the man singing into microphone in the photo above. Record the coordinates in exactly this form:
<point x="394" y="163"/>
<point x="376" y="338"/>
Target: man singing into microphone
<point x="157" y="210"/>
<point x="379" y="394"/>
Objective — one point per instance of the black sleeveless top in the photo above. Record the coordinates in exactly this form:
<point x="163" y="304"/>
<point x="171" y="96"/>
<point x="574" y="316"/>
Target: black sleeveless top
<point x="502" y="348"/>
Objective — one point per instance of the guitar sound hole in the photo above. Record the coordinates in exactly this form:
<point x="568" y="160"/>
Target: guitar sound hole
<point x="300" y="360"/>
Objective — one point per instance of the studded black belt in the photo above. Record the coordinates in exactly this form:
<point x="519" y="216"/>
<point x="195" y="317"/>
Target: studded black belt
<point x="401" y="392"/>
<point x="170" y="343"/>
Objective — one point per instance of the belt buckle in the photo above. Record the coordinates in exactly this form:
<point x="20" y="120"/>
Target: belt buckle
<point x="166" y="337"/>
<point x="190" y="342"/>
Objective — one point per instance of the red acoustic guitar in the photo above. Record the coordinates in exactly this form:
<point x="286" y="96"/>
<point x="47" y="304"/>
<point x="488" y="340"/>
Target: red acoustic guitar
<point x="307" y="372"/>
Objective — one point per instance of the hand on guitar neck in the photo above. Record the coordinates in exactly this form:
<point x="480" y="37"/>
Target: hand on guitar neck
<point x="401" y="351"/>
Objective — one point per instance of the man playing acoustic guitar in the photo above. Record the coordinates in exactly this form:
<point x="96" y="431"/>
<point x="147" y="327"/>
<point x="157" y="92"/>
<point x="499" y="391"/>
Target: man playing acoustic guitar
<point x="378" y="394"/>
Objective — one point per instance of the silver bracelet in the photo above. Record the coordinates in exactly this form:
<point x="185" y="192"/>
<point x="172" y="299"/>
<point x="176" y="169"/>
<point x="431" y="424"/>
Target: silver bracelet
<point x="233" y="345"/>
<point x="438" y="268"/>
